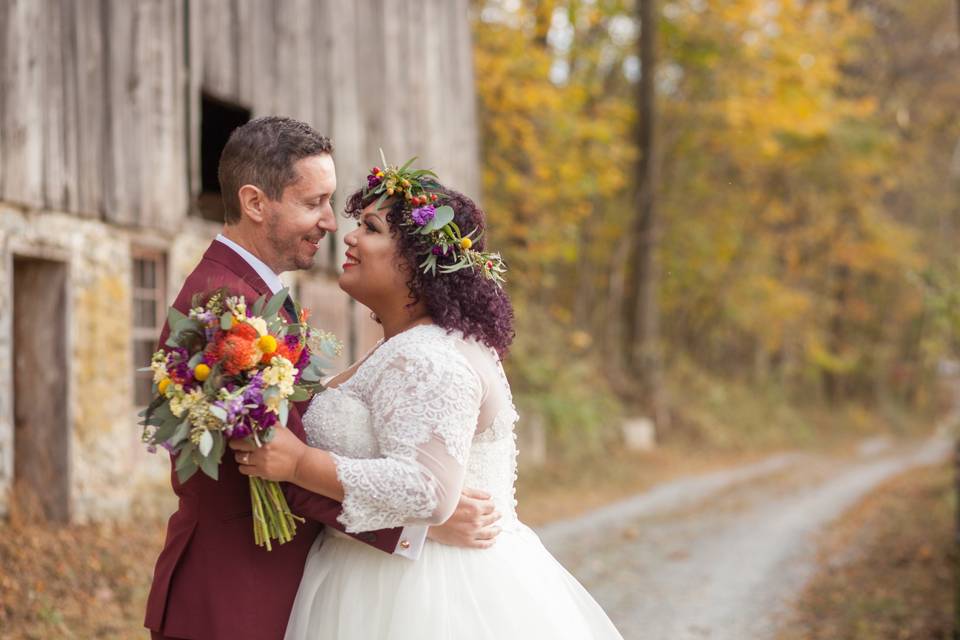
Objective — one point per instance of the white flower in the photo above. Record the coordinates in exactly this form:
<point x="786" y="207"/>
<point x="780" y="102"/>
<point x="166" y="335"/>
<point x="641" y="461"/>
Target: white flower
<point x="158" y="364"/>
<point x="280" y="374"/>
<point x="259" y="324"/>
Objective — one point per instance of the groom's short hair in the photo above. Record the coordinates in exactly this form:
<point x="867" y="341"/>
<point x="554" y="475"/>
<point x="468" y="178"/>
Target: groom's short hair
<point x="262" y="153"/>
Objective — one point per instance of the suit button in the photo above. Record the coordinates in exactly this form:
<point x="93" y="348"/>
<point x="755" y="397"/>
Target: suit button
<point x="404" y="544"/>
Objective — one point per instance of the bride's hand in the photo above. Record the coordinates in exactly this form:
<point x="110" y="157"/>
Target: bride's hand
<point x="472" y="525"/>
<point x="275" y="460"/>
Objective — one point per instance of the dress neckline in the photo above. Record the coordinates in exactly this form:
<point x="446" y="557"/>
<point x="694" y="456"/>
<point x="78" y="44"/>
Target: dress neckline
<point x="378" y="347"/>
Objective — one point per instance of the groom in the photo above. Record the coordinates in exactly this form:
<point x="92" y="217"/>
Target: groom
<point x="211" y="581"/>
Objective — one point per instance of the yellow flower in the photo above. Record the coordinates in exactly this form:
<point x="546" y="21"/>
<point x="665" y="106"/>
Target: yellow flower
<point x="466" y="243"/>
<point x="162" y="385"/>
<point x="201" y="372"/>
<point x="268" y="344"/>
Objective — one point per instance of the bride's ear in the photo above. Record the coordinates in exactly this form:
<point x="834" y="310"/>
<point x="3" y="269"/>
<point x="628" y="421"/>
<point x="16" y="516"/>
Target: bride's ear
<point x="252" y="202"/>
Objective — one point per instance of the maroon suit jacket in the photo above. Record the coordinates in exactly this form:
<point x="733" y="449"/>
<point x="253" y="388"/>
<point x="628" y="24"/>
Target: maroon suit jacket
<point x="211" y="581"/>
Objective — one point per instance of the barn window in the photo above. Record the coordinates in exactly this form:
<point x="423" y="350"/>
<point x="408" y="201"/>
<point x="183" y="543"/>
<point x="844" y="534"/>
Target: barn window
<point x="218" y="119"/>
<point x="149" y="313"/>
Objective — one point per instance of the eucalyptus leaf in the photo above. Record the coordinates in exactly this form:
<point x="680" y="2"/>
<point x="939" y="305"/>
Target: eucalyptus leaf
<point x="309" y="375"/>
<point x="210" y="467"/>
<point x="180" y="433"/>
<point x="165" y="430"/>
<point x="443" y="216"/>
<point x="188" y="467"/>
<point x="218" y="412"/>
<point x="284" y="411"/>
<point x="174" y="316"/>
<point x="206" y="443"/>
<point x="276" y="302"/>
<point x="196" y="359"/>
<point x="226" y="321"/>
<point x="258" y="305"/>
<point x="299" y="395"/>
<point x="219" y="446"/>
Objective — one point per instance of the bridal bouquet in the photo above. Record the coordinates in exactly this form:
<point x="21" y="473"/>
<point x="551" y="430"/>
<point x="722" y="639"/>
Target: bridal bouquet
<point x="231" y="371"/>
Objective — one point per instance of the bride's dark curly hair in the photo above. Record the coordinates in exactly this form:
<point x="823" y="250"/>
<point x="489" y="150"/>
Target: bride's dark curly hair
<point x="465" y="300"/>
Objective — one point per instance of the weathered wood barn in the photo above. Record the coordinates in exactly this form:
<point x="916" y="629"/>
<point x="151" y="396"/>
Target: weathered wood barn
<point x="112" y="117"/>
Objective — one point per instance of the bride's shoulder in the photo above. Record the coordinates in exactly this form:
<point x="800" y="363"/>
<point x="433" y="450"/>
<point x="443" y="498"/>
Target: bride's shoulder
<point x="426" y="347"/>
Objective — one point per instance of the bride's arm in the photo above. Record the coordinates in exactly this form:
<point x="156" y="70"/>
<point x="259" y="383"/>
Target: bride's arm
<point x="289" y="459"/>
<point x="425" y="409"/>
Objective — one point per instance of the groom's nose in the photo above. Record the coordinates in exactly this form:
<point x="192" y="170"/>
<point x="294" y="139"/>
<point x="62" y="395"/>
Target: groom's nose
<point x="328" y="220"/>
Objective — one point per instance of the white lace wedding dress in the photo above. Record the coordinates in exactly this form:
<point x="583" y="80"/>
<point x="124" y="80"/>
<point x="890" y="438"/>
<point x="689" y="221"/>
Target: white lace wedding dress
<point x="424" y="415"/>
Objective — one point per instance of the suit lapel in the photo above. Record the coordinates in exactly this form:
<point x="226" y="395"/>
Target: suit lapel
<point x="226" y="257"/>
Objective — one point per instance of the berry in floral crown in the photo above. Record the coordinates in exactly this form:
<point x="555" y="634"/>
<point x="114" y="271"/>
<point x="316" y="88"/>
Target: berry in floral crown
<point x="449" y="249"/>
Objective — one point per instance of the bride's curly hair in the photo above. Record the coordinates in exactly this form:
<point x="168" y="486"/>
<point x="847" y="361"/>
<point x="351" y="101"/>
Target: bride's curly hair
<point x="465" y="300"/>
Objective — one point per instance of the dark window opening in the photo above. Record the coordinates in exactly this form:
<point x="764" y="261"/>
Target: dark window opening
<point x="218" y="119"/>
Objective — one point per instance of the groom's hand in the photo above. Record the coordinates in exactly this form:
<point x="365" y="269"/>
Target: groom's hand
<point x="472" y="525"/>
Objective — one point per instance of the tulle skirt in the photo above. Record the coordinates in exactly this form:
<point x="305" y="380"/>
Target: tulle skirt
<point x="514" y="590"/>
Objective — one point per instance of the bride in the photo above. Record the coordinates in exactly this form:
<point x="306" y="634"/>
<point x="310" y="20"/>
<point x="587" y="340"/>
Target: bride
<point x="397" y="434"/>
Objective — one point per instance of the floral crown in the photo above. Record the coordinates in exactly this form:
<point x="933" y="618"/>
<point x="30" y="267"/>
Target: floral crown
<point x="450" y="250"/>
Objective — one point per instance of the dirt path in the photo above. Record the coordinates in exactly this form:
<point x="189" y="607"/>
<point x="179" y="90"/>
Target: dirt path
<point x="720" y="556"/>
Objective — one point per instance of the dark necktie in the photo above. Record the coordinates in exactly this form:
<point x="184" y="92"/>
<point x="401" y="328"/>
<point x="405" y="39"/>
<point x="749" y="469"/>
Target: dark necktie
<point x="290" y="308"/>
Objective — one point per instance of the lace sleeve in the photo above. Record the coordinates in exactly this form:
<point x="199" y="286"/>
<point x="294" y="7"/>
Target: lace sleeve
<point x="424" y="406"/>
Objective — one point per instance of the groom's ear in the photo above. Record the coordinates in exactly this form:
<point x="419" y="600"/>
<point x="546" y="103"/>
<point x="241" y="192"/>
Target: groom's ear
<point x="252" y="202"/>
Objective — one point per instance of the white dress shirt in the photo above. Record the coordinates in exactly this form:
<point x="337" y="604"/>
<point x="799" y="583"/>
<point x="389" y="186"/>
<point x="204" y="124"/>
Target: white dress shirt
<point x="411" y="538"/>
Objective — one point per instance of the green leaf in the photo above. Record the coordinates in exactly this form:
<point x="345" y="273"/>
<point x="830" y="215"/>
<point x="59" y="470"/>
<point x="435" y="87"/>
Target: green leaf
<point x="299" y="395"/>
<point x="165" y="430"/>
<point x="218" y="412"/>
<point x="309" y="375"/>
<point x="276" y="302"/>
<point x="407" y="163"/>
<point x="174" y="316"/>
<point x="444" y="215"/>
<point x="226" y="321"/>
<point x="206" y="443"/>
<point x="196" y="359"/>
<point x="258" y="305"/>
<point x="180" y="433"/>
<point x="210" y="467"/>
<point x="284" y="411"/>
<point x="219" y="446"/>
<point x="186" y="465"/>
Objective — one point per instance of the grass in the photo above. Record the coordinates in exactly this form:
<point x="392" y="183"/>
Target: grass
<point x="888" y="567"/>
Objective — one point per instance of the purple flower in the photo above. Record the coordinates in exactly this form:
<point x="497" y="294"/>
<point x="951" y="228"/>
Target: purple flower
<point x="372" y="181"/>
<point x="440" y="251"/>
<point x="423" y="215"/>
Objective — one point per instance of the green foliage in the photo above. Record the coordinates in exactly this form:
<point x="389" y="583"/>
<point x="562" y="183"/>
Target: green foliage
<point x="558" y="382"/>
<point x="810" y="186"/>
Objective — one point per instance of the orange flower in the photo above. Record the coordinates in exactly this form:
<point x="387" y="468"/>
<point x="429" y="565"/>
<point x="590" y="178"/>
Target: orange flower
<point x="304" y="315"/>
<point x="245" y="331"/>
<point x="236" y="349"/>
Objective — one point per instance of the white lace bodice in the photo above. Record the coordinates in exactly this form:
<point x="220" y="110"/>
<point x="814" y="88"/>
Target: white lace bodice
<point x="426" y="414"/>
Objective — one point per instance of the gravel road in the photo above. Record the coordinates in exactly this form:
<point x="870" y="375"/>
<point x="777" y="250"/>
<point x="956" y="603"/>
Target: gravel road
<point x="721" y="556"/>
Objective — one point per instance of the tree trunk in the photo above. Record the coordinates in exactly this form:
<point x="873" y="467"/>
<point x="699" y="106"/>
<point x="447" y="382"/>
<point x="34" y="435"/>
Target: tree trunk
<point x="643" y="349"/>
